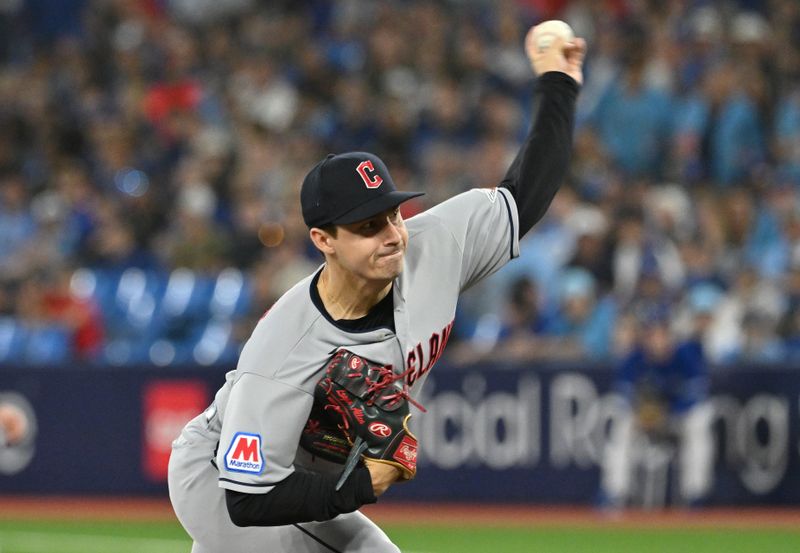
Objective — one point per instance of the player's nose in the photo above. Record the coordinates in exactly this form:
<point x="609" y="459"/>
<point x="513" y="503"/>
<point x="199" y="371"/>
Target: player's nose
<point x="392" y="232"/>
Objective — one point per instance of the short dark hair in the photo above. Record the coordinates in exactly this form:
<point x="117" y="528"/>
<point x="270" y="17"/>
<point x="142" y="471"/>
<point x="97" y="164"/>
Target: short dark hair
<point x="330" y="229"/>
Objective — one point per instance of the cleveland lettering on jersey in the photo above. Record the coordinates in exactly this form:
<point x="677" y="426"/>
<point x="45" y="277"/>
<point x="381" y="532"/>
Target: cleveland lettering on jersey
<point x="415" y="360"/>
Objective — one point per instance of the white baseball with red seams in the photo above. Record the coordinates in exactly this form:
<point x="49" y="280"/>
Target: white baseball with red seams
<point x="544" y="33"/>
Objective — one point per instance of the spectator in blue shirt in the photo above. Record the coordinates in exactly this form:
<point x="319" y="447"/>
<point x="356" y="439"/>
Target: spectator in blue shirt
<point x="718" y="128"/>
<point x="787" y="131"/>
<point x="17" y="226"/>
<point x="583" y="326"/>
<point x="633" y="119"/>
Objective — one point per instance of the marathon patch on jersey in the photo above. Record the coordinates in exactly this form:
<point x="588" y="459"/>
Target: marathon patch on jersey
<point x="244" y="454"/>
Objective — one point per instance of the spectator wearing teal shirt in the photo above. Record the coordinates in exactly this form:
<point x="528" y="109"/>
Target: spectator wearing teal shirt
<point x="584" y="319"/>
<point x="17" y="225"/>
<point x="633" y="121"/>
<point x="719" y="125"/>
<point x="787" y="131"/>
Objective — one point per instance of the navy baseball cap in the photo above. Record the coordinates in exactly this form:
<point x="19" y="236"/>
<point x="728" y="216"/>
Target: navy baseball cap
<point x="347" y="188"/>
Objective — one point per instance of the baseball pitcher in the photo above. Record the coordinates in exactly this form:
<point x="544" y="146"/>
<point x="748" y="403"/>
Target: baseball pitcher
<point x="313" y="423"/>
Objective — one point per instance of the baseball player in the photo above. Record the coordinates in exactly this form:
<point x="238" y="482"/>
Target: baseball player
<point x="238" y="479"/>
<point x="663" y="382"/>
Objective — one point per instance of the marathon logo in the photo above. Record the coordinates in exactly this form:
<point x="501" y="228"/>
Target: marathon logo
<point x="244" y="454"/>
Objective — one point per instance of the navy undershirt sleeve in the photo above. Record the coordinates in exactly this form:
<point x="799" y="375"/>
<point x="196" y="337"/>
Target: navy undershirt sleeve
<point x="302" y="497"/>
<point x="542" y="162"/>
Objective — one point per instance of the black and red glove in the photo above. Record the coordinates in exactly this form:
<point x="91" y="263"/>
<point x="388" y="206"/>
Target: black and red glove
<point x="372" y="409"/>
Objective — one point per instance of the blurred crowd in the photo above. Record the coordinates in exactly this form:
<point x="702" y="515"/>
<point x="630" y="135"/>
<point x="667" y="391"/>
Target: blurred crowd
<point x="151" y="153"/>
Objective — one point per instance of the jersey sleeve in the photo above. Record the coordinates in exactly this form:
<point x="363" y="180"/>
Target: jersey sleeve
<point x="260" y="433"/>
<point x="484" y="225"/>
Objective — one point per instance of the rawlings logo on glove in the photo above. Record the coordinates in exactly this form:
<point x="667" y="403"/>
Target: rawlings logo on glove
<point x="380" y="429"/>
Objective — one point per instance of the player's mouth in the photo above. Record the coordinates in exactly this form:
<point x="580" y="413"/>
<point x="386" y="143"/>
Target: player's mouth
<point x="396" y="253"/>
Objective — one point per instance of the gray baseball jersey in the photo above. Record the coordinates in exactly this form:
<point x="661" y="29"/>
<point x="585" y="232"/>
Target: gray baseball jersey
<point x="258" y="415"/>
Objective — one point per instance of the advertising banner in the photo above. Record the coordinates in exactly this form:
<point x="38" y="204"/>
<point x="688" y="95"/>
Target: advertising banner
<point x="491" y="433"/>
<point x="167" y="405"/>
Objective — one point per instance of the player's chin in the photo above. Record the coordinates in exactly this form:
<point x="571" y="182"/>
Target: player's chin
<point x="390" y="266"/>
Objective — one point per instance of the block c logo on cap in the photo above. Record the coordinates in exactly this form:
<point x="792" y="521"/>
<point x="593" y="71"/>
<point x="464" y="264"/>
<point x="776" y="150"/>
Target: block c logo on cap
<point x="371" y="182"/>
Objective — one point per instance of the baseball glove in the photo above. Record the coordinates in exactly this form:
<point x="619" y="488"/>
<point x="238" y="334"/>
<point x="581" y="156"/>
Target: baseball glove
<point x="322" y="436"/>
<point x="651" y="411"/>
<point x="360" y="401"/>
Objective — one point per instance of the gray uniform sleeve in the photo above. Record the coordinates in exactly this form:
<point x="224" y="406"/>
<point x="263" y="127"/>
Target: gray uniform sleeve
<point x="484" y="228"/>
<point x="260" y="433"/>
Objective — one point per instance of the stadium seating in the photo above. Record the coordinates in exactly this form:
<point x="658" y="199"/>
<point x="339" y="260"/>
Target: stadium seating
<point x="162" y="318"/>
<point x="29" y="344"/>
<point x="12" y="340"/>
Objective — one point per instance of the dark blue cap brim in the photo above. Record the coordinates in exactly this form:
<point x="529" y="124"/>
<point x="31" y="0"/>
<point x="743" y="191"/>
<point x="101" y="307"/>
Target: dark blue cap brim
<point x="374" y="207"/>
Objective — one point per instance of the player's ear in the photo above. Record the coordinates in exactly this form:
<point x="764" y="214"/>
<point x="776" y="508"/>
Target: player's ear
<point x="323" y="240"/>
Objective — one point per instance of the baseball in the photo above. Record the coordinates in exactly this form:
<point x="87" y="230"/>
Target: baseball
<point x="545" y="32"/>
